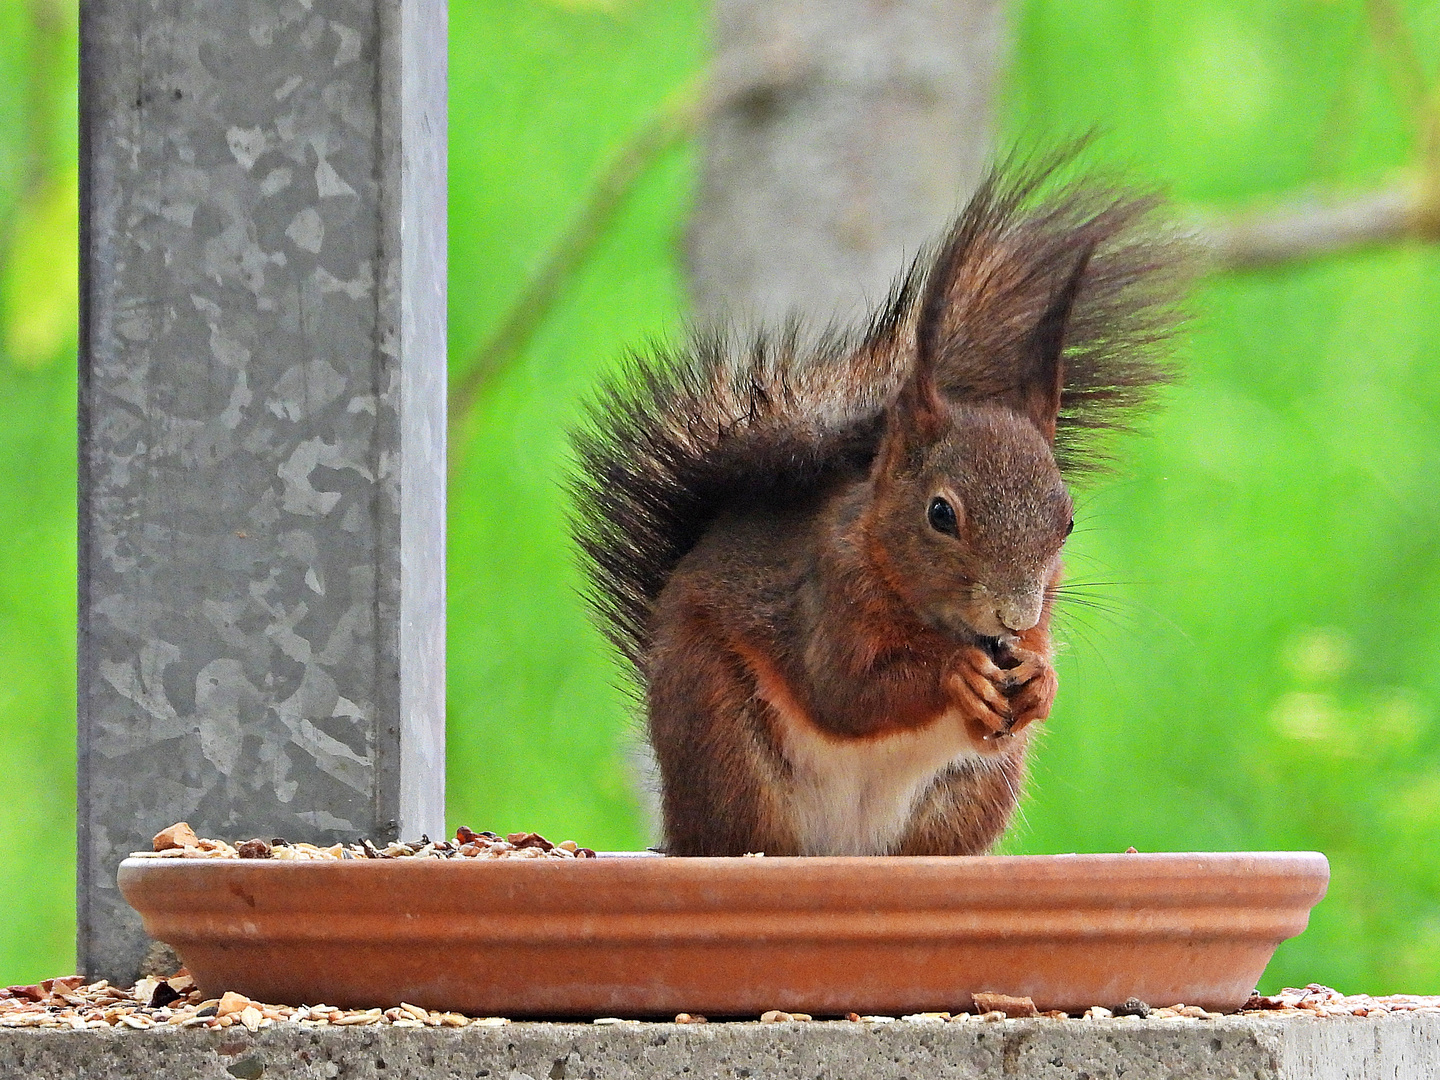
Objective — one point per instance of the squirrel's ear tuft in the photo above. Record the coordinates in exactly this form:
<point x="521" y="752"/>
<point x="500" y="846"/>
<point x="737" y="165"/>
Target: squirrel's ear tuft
<point x="921" y="407"/>
<point x="997" y="301"/>
<point x="1040" y="395"/>
<point x="1053" y="300"/>
<point x="917" y="419"/>
<point x="918" y="416"/>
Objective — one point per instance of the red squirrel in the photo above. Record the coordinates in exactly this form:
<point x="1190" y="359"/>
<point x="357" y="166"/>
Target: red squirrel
<point x="833" y="565"/>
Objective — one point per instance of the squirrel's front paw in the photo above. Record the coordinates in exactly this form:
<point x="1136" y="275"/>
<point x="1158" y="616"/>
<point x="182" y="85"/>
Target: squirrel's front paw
<point x="1029" y="686"/>
<point x="975" y="684"/>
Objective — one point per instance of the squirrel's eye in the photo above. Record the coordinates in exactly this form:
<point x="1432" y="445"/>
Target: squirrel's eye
<point x="1070" y="528"/>
<point x="942" y="517"/>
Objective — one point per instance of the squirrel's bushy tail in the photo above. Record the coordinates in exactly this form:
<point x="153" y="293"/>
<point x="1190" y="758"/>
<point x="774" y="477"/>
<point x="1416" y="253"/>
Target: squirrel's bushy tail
<point x="678" y="435"/>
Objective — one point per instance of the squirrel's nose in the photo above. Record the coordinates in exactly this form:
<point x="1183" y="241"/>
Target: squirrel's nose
<point x="1018" y="613"/>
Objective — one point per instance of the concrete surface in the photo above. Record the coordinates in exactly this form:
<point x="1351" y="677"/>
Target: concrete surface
<point x="1250" y="1047"/>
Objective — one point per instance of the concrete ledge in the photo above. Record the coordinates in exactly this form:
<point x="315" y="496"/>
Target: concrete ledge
<point x="1259" y="1047"/>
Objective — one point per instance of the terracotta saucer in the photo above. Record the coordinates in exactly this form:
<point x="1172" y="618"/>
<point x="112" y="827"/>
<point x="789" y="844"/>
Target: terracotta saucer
<point x="657" y="936"/>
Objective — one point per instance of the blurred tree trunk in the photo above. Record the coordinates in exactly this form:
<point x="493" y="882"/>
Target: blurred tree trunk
<point x="850" y="132"/>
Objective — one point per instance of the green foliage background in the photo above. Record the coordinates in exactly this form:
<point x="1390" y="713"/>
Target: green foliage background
<point x="1263" y="675"/>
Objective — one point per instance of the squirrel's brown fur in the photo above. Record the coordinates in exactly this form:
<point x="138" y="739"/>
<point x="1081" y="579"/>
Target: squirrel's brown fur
<point x="833" y="662"/>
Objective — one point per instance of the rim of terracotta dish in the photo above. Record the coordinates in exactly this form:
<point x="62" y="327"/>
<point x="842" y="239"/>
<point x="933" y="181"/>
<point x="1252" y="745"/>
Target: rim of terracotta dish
<point x="651" y="935"/>
<point x="1198" y="891"/>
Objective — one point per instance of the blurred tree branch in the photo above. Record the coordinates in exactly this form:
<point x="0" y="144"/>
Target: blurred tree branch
<point x="1316" y="223"/>
<point x="677" y="120"/>
<point x="674" y="121"/>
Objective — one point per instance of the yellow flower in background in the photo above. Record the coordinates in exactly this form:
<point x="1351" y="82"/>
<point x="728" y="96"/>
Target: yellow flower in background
<point x="40" y="287"/>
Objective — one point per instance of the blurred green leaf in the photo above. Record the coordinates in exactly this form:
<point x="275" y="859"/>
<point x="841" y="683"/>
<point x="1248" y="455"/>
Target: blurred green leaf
<point x="40" y="289"/>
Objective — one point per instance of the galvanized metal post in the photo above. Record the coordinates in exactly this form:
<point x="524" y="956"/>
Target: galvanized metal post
<point x="262" y="429"/>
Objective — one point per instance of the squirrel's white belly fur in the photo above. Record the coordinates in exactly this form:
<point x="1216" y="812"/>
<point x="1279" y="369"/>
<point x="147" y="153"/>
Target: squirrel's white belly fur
<point x="855" y="797"/>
